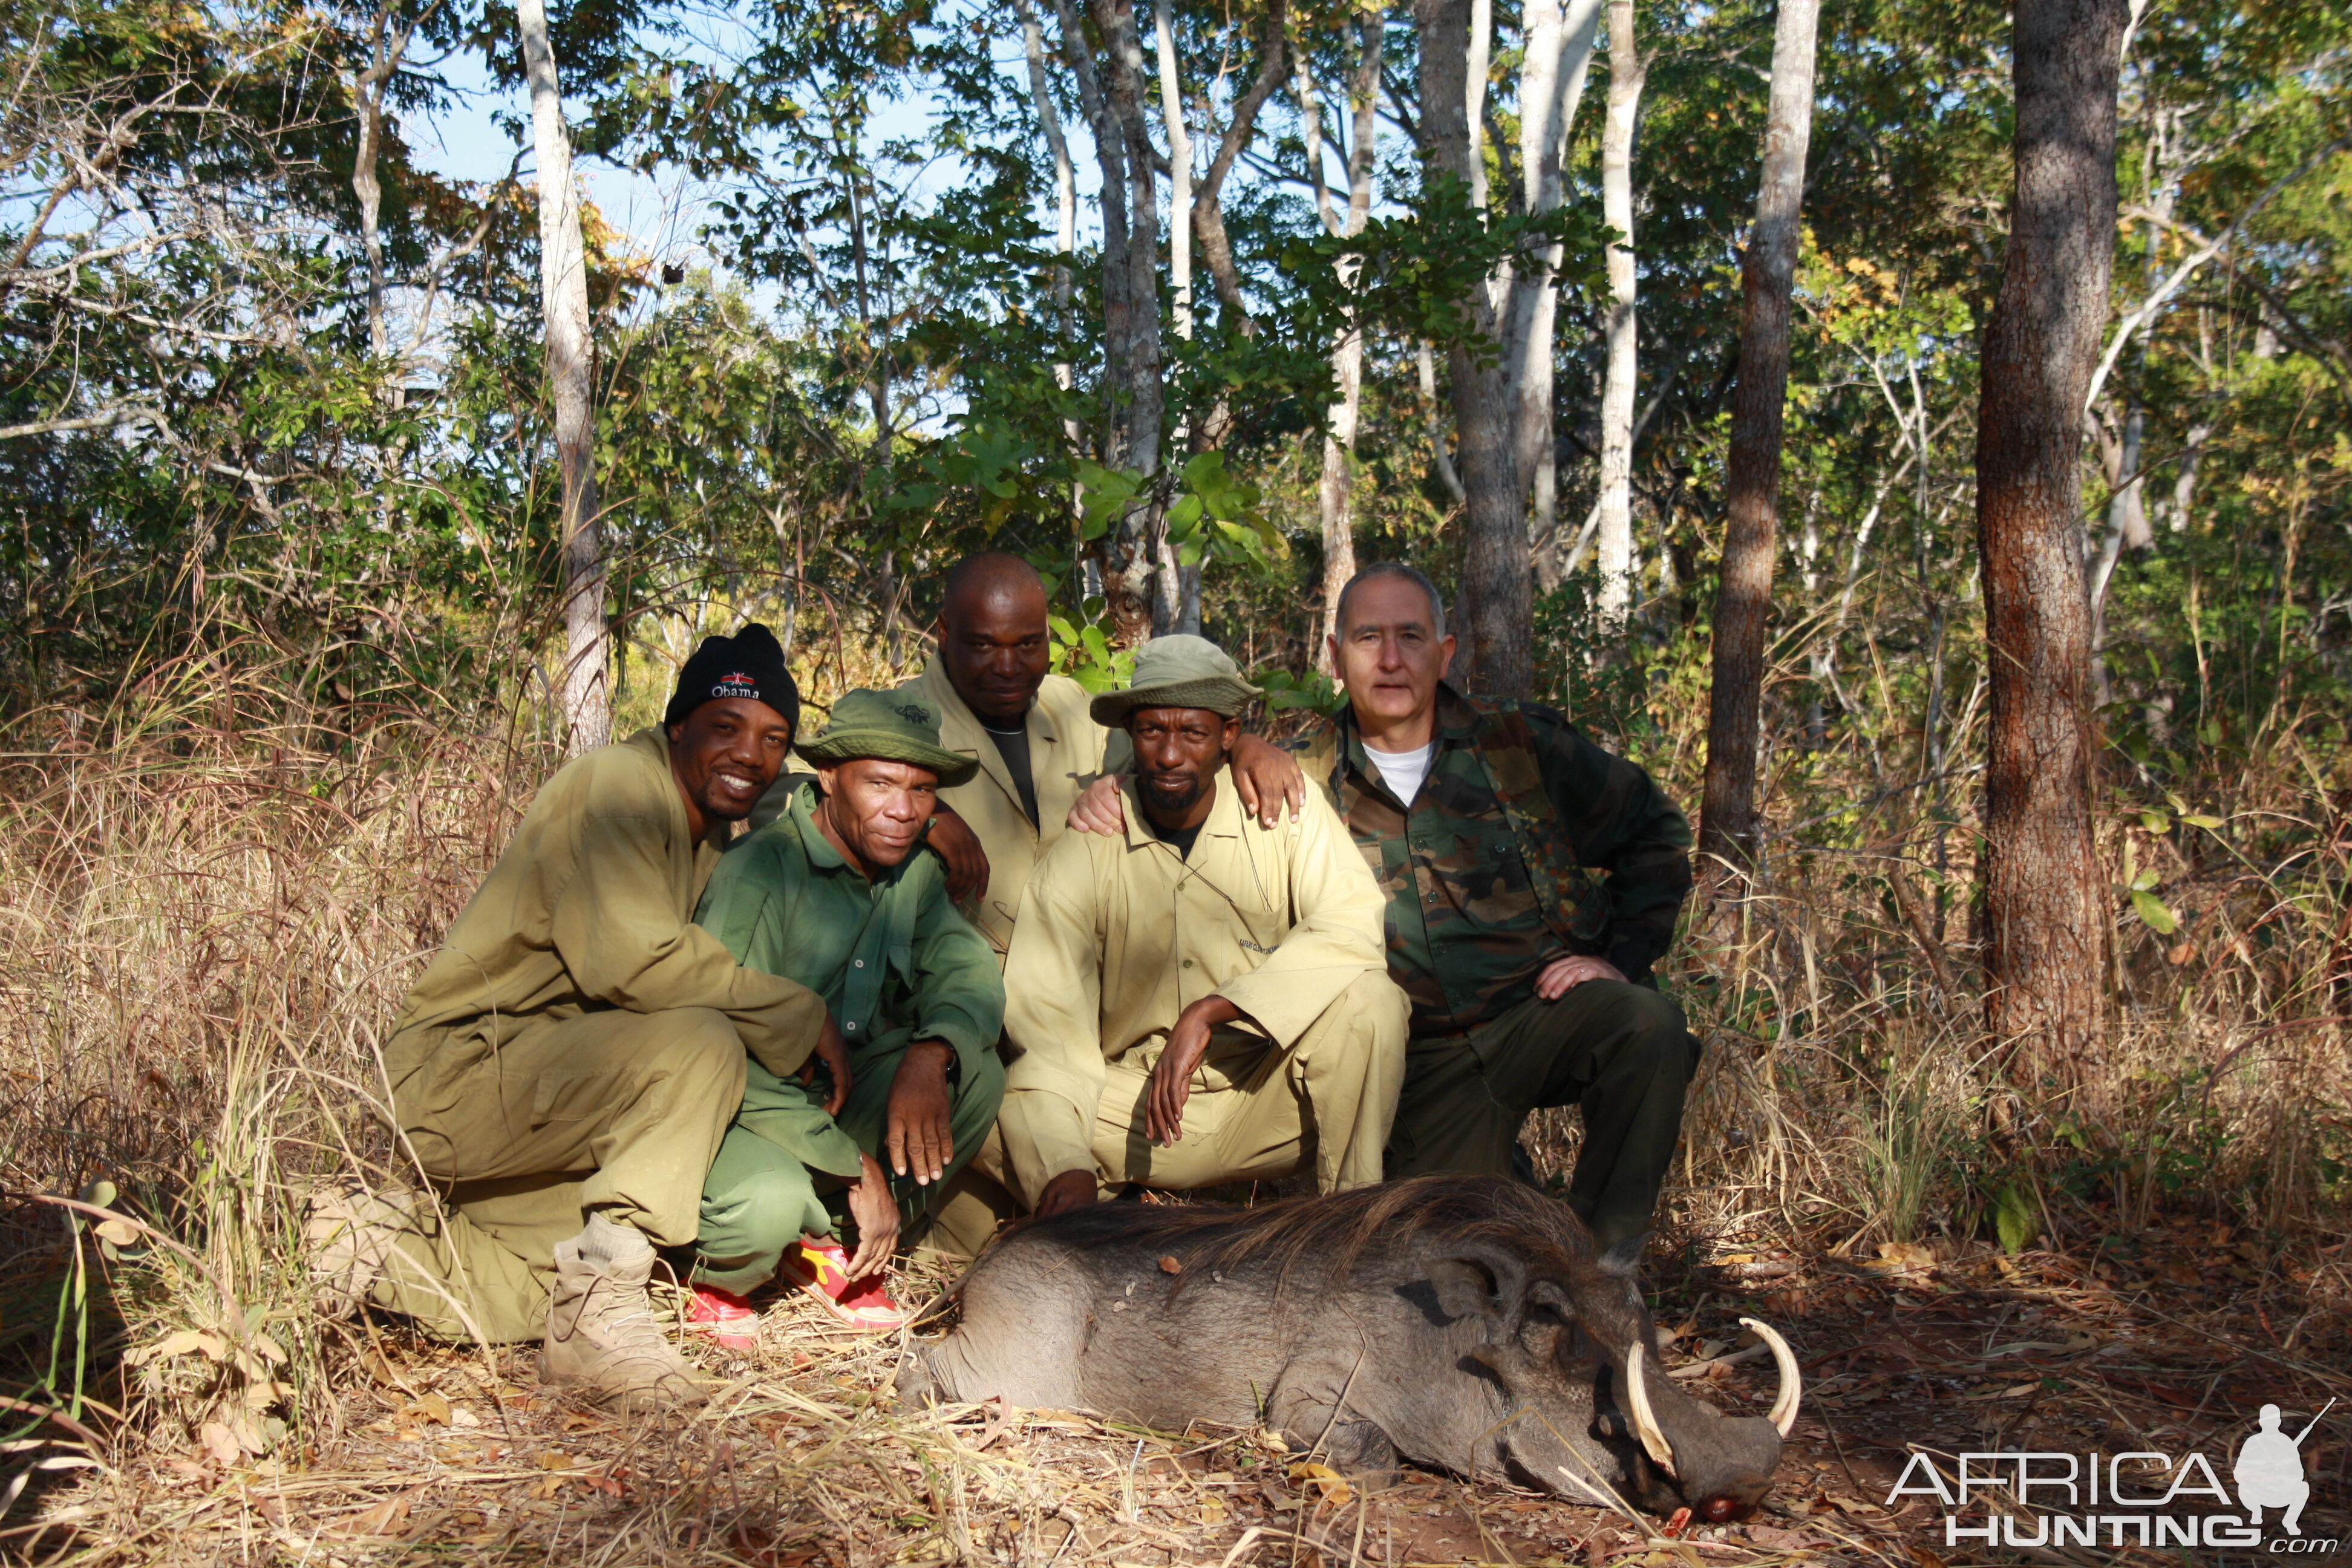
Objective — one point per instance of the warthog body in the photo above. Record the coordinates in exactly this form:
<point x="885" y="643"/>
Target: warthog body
<point x="1463" y="1323"/>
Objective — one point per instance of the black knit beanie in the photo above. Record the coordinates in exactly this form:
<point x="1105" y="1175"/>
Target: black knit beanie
<point x="749" y="664"/>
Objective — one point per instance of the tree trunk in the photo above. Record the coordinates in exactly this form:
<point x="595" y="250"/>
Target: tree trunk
<point x="2045" y="898"/>
<point x="1744" y="601"/>
<point x="1495" y="634"/>
<point x="1179" y="170"/>
<point x="1335" y="493"/>
<point x="1559" y="55"/>
<point x="587" y="691"/>
<point x="1627" y="71"/>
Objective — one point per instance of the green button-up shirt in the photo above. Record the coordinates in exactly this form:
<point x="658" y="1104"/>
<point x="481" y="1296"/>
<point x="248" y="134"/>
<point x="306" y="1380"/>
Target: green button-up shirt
<point x="891" y="958"/>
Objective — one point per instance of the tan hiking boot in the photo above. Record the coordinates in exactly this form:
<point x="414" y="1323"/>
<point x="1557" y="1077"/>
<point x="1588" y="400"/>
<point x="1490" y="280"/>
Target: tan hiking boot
<point x="349" y="1230"/>
<point x="602" y="1338"/>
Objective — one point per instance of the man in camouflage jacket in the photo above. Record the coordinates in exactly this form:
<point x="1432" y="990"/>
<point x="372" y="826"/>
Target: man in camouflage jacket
<point x="1532" y="879"/>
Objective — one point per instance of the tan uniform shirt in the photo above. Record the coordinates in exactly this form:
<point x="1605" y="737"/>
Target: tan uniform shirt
<point x="590" y="909"/>
<point x="1118" y="935"/>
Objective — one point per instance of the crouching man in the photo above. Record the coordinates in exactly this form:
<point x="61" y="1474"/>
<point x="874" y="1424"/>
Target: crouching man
<point x="832" y="895"/>
<point x="1203" y="999"/>
<point x="565" y="1068"/>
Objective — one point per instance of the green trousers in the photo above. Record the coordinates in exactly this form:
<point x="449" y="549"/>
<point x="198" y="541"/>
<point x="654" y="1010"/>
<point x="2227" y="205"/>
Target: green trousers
<point x="1621" y="1052"/>
<point x="784" y="1168"/>
<point x="612" y="1111"/>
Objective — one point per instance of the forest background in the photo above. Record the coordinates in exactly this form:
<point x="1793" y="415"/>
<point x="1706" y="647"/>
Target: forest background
<point x="1180" y="303"/>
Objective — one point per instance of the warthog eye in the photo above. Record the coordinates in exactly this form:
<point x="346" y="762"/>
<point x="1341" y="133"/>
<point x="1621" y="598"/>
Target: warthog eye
<point x="1723" y="1508"/>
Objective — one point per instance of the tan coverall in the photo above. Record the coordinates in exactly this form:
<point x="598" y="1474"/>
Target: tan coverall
<point x="1118" y="935"/>
<point x="576" y="1045"/>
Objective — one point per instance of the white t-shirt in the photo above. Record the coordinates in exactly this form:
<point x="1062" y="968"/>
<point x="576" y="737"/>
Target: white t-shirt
<point x="1403" y="771"/>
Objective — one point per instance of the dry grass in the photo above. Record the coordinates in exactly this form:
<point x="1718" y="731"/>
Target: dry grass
<point x="204" y="924"/>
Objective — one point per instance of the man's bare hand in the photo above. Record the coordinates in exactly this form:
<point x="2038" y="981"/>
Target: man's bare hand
<point x="1070" y="1190"/>
<point x="1100" y="808"/>
<point x="1562" y="975"/>
<point x="831" y="1052"/>
<point x="876" y="1214"/>
<point x="957" y="844"/>
<point x="916" y="1135"/>
<point x="1171" y="1074"/>
<point x="1268" y="778"/>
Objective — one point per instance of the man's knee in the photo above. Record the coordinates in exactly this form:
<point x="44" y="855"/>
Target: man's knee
<point x="1653" y="1028"/>
<point x="696" y="1045"/>
<point x="761" y="1210"/>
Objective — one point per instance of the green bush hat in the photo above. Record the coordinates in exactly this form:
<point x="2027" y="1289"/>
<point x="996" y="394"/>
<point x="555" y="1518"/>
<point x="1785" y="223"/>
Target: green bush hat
<point x="896" y="726"/>
<point x="1178" y="673"/>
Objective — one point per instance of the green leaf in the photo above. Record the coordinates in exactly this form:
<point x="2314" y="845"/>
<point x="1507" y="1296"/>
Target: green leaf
<point x="2156" y="822"/>
<point x="2152" y="912"/>
<point x="2198" y="819"/>
<point x="2016" y="1217"/>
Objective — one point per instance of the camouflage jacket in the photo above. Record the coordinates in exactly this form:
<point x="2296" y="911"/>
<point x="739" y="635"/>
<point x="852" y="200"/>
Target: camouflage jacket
<point x="1526" y="841"/>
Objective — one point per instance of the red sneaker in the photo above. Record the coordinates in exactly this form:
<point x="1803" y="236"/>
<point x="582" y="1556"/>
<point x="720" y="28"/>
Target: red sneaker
<point x="731" y="1322"/>
<point x="822" y="1269"/>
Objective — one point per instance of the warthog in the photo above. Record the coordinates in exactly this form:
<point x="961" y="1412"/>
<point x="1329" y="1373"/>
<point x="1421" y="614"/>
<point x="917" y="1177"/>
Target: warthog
<point x="1464" y="1324"/>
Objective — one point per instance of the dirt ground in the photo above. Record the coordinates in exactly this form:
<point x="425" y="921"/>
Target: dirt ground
<point x="2169" y="1343"/>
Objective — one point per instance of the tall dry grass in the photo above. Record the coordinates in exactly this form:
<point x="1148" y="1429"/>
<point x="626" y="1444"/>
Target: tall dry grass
<point x="206" y="921"/>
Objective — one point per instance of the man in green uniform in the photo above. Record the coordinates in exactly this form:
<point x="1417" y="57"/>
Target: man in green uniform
<point x="576" y="1048"/>
<point x="832" y="895"/>
<point x="1532" y="879"/>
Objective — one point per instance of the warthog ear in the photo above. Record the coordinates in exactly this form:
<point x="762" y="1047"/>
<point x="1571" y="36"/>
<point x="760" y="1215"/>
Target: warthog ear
<point x="1626" y="1256"/>
<point x="1477" y="1282"/>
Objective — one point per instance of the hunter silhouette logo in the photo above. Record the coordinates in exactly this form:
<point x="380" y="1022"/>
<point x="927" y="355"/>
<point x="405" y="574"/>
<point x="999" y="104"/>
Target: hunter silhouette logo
<point x="2269" y="1471"/>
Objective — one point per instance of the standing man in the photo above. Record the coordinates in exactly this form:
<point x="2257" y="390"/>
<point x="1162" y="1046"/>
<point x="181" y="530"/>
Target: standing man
<point x="566" y="1066"/>
<point x="1201" y="999"/>
<point x="832" y="894"/>
<point x="1486" y="823"/>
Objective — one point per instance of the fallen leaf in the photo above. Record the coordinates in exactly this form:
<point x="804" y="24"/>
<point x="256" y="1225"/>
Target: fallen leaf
<point x="1170" y="1265"/>
<point x="120" y="1232"/>
<point x="381" y="1519"/>
<point x="1924" y="1558"/>
<point x="219" y="1442"/>
<point x="461" y="1417"/>
<point x="428" y="1407"/>
<point x="555" y="1459"/>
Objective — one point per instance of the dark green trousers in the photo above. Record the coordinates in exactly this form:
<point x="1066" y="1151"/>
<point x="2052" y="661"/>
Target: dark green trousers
<point x="760" y="1197"/>
<point x="1620" y="1053"/>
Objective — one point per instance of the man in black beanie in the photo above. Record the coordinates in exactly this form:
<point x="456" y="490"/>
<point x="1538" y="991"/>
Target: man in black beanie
<point x="567" y="1064"/>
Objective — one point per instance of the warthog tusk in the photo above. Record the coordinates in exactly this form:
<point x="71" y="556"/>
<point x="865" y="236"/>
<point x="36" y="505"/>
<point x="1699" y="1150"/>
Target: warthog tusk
<point x="1792" y="1382"/>
<point x="1645" y="1423"/>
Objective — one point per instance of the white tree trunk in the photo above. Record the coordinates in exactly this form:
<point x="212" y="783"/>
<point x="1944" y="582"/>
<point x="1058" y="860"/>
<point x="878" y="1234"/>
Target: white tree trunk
<point x="1482" y="51"/>
<point x="1179" y="172"/>
<point x="1560" y="39"/>
<point x="1626" y="70"/>
<point x="585" y="691"/>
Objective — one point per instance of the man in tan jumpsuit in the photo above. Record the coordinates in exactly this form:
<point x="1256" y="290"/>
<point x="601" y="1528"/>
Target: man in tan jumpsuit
<point x="576" y="1048"/>
<point x="1203" y="999"/>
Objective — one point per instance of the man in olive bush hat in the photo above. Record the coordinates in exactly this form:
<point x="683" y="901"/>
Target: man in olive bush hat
<point x="576" y="1048"/>
<point x="1201" y="999"/>
<point x="832" y="895"/>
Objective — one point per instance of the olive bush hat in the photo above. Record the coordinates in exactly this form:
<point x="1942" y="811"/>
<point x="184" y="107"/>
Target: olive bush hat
<point x="896" y="726"/>
<point x="1178" y="673"/>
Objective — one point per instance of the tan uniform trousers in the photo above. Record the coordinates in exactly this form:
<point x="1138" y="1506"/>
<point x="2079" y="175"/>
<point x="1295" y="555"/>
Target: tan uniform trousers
<point x="1257" y="1111"/>
<point x="614" y="1112"/>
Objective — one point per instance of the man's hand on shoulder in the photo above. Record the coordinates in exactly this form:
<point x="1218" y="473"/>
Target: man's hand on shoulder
<point x="1268" y="778"/>
<point x="1100" y="808"/>
<point x="1564" y="975"/>
<point x="916" y="1137"/>
<point x="959" y="846"/>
